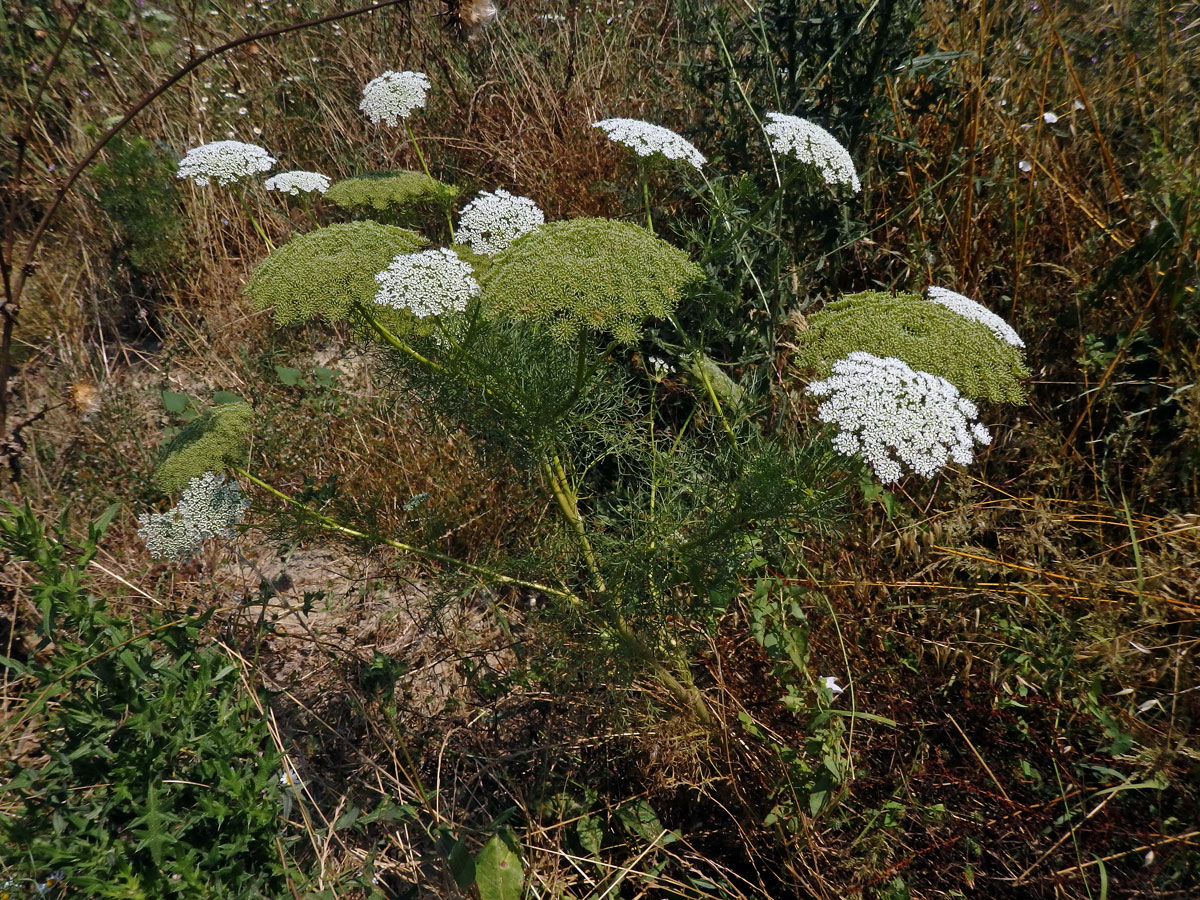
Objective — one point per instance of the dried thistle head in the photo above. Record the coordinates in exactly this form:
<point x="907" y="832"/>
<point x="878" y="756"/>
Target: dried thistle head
<point x="468" y="18"/>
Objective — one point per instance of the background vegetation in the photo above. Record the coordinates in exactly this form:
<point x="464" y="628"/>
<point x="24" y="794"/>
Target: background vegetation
<point x="292" y="717"/>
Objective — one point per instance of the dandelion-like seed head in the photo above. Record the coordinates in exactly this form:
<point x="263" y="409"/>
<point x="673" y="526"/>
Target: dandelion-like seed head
<point x="428" y="283"/>
<point x="646" y="139"/>
<point x="393" y="96"/>
<point x="812" y="144"/>
<point x="896" y="418"/>
<point x="211" y="506"/>
<point x="298" y="182"/>
<point x="976" y="312"/>
<point x="224" y="162"/>
<point x="494" y="219"/>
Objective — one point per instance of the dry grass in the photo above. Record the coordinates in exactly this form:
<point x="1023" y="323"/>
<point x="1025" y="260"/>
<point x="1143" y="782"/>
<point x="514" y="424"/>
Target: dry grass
<point x="991" y="620"/>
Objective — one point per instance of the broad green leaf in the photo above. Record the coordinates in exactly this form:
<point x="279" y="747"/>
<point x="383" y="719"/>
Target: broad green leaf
<point x="591" y="834"/>
<point x="289" y="376"/>
<point x="175" y="402"/>
<point x="498" y="872"/>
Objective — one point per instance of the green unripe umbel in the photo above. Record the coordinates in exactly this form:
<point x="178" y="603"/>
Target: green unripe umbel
<point x="925" y="335"/>
<point x="321" y="274"/>
<point x="588" y="274"/>
<point x="214" y="442"/>
<point x="391" y="191"/>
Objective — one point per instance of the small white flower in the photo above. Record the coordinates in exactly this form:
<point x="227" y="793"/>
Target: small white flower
<point x="646" y="139"/>
<point x="1049" y="118"/>
<point x="225" y="162"/>
<point x="427" y="283"/>
<point x="894" y="416"/>
<point x="393" y="96"/>
<point x="295" y="182"/>
<point x="1149" y="705"/>
<point x="812" y="144"/>
<point x="969" y="309"/>
<point x="1078" y="104"/>
<point x="493" y="220"/>
<point x="210" y="507"/>
<point x="289" y="778"/>
<point x="659" y="367"/>
<point x="1025" y="165"/>
<point x="832" y="685"/>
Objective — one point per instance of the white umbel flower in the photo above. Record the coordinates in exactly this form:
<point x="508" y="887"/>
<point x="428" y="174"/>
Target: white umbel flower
<point x="810" y="143"/>
<point x="298" y="182"/>
<point x="393" y="96"/>
<point x="493" y="220"/>
<point x="892" y="416"/>
<point x="646" y="139"/>
<point x="969" y="309"/>
<point x="427" y="283"/>
<point x="224" y="162"/>
<point x="211" y="506"/>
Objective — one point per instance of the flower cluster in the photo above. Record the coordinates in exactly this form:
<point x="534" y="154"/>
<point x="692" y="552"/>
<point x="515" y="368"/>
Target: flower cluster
<point x="892" y="415"/>
<point x="211" y="442"/>
<point x="210" y="506"/>
<point x="977" y="312"/>
<point x="225" y="162"/>
<point x="493" y="220"/>
<point x="427" y="283"/>
<point x="393" y="96"/>
<point x="810" y="143"/>
<point x="321" y="274"/>
<point x="590" y="275"/>
<point x="646" y="139"/>
<point x="295" y="182"/>
<point x="391" y="190"/>
<point x="927" y="336"/>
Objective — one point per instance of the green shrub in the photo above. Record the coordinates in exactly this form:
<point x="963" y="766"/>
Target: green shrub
<point x="155" y="775"/>
<point x="136" y="187"/>
<point x="927" y="336"/>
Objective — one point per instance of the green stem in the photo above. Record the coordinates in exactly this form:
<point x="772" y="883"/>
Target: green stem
<point x="241" y="195"/>
<point x="568" y="503"/>
<point x="646" y="195"/>
<point x="424" y="165"/>
<point x="392" y="341"/>
<point x="336" y="527"/>
<point x="712" y="394"/>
